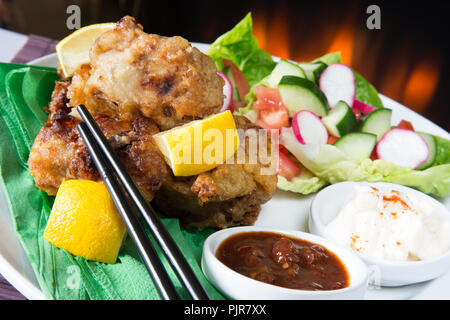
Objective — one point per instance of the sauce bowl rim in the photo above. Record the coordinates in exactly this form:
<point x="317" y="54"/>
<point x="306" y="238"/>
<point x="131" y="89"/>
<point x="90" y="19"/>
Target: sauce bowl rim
<point x="212" y="244"/>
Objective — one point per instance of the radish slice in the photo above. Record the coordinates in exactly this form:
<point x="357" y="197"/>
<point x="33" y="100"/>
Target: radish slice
<point x="338" y="83"/>
<point x="227" y="91"/>
<point x="308" y="128"/>
<point x="405" y="148"/>
<point x="363" y="107"/>
<point x="305" y="153"/>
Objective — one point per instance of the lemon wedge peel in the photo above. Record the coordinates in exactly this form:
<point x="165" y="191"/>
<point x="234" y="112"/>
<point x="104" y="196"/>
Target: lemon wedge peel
<point x="200" y="145"/>
<point x="85" y="222"/>
<point x="73" y="50"/>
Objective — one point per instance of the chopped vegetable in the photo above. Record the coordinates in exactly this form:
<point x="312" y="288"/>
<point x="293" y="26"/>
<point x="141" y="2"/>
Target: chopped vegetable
<point x="337" y="81"/>
<point x="377" y="122"/>
<point x="301" y="94"/>
<point x="363" y="107"/>
<point x="405" y="148"/>
<point x="405" y="125"/>
<point x="431" y="142"/>
<point x="286" y="167"/>
<point x="239" y="80"/>
<point x="308" y="128"/>
<point x="272" y="114"/>
<point x="284" y="68"/>
<point x="357" y="145"/>
<point x="340" y="120"/>
<point x="227" y="91"/>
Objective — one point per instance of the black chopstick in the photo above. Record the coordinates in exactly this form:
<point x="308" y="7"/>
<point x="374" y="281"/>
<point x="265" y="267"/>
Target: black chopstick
<point x="178" y="262"/>
<point x="148" y="254"/>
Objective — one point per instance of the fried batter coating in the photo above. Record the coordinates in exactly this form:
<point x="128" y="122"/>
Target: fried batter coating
<point x="135" y="85"/>
<point x="59" y="153"/>
<point x="164" y="78"/>
<point x="229" y="195"/>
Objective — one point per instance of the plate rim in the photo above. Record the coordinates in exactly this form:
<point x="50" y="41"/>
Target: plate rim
<point x="31" y="292"/>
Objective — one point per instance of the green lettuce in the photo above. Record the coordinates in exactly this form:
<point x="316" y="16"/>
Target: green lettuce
<point x="365" y="92"/>
<point x="442" y="151"/>
<point x="332" y="165"/>
<point x="241" y="46"/>
<point x="305" y="183"/>
<point x="329" y="58"/>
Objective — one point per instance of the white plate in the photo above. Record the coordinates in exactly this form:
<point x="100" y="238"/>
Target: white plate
<point x="285" y="211"/>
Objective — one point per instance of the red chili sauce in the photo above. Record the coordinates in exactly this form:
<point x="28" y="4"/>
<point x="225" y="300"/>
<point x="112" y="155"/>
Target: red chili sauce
<point x="283" y="261"/>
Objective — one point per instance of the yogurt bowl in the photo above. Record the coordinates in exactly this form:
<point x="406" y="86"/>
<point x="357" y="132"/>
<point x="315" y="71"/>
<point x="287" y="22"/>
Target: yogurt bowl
<point x="326" y="206"/>
<point x="240" y="287"/>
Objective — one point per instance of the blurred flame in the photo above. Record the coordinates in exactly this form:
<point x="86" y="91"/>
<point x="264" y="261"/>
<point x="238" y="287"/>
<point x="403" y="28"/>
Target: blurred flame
<point x="259" y="30"/>
<point x="421" y="85"/>
<point x="396" y="75"/>
<point x="414" y="87"/>
<point x="273" y="37"/>
<point x="343" y="42"/>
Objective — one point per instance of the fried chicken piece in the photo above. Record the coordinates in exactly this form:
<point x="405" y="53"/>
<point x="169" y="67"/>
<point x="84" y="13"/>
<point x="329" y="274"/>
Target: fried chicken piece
<point x="59" y="153"/>
<point x="163" y="78"/>
<point x="229" y="195"/>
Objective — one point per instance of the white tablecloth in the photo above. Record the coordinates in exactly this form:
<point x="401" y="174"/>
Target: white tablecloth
<point x="10" y="43"/>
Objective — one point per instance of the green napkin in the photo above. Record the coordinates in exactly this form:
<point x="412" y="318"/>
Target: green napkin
<point x="24" y="91"/>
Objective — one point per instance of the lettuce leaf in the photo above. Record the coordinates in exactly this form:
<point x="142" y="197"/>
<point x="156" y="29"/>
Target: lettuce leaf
<point x="365" y="92"/>
<point x="329" y="58"/>
<point x="442" y="151"/>
<point x="241" y="46"/>
<point x="305" y="183"/>
<point x="332" y="165"/>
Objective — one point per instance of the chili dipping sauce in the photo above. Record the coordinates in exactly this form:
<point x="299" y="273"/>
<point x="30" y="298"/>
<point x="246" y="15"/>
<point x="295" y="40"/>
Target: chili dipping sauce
<point x="283" y="261"/>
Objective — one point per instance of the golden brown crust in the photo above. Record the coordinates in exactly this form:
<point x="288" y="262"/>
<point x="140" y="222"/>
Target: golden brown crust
<point x="135" y="85"/>
<point x="163" y="78"/>
<point x="59" y="153"/>
<point x="229" y="195"/>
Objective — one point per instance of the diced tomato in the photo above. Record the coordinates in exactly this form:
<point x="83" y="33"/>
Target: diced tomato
<point x="286" y="167"/>
<point x="358" y="114"/>
<point x="273" y="119"/>
<point x="240" y="81"/>
<point x="405" y="125"/>
<point x="283" y="148"/>
<point x="270" y="96"/>
<point x="332" y="139"/>
<point x="272" y="112"/>
<point x="373" y="155"/>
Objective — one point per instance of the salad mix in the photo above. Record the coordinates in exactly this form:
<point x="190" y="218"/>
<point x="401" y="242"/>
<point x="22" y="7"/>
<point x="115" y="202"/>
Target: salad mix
<point x="332" y="124"/>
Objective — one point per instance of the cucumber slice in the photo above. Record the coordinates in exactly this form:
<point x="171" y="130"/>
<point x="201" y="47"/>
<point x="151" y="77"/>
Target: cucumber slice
<point x="313" y="70"/>
<point x="301" y="94"/>
<point x="229" y="74"/>
<point x="284" y="68"/>
<point x="431" y="142"/>
<point x="377" y="122"/>
<point x="357" y="145"/>
<point x="340" y="120"/>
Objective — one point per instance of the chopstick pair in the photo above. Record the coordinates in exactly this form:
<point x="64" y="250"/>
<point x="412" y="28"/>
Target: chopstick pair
<point x="109" y="167"/>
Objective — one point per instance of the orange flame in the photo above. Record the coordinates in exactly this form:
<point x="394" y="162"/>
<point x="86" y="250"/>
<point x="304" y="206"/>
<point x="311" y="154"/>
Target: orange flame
<point x="421" y="85"/>
<point x="343" y="42"/>
<point x="274" y="38"/>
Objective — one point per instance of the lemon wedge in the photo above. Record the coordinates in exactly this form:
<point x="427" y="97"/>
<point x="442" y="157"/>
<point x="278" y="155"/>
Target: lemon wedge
<point x="85" y="222"/>
<point x="200" y="145"/>
<point x="73" y="50"/>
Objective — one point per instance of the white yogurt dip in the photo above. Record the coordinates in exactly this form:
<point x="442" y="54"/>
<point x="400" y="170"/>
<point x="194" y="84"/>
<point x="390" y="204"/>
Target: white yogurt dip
<point x="392" y="226"/>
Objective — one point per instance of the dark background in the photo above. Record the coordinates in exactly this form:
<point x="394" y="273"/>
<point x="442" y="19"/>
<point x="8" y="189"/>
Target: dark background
<point x="407" y="60"/>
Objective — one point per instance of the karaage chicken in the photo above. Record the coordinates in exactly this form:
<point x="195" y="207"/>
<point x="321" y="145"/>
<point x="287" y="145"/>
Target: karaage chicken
<point x="135" y="85"/>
